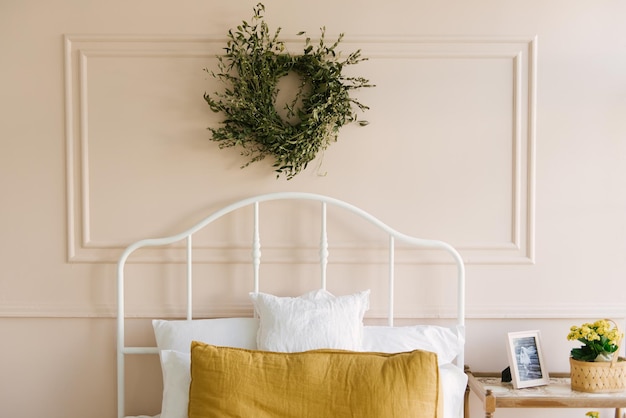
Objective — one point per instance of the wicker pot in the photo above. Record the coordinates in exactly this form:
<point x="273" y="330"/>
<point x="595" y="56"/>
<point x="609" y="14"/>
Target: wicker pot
<point x="598" y="376"/>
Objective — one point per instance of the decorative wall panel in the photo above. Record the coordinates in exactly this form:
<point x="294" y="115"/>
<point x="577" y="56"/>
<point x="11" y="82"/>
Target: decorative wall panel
<point x="459" y="141"/>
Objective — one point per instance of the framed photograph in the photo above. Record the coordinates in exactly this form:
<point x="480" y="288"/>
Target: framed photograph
<point x="526" y="359"/>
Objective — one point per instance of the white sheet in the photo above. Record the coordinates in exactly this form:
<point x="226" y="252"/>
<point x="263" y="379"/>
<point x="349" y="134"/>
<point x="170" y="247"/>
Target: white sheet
<point x="454" y="382"/>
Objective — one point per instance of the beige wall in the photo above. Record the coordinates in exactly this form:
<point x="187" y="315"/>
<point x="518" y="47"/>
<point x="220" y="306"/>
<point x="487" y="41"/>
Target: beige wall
<point x="497" y="126"/>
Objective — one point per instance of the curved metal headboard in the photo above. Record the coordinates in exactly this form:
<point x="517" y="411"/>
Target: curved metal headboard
<point x="187" y="235"/>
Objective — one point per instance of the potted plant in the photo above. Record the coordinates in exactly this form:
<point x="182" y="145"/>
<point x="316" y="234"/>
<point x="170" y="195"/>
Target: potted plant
<point x="596" y="366"/>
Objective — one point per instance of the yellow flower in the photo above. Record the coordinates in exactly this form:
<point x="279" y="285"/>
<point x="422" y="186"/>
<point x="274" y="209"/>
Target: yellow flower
<point x="593" y="414"/>
<point x="601" y="337"/>
<point x="574" y="333"/>
<point x="601" y="326"/>
<point x="592" y="336"/>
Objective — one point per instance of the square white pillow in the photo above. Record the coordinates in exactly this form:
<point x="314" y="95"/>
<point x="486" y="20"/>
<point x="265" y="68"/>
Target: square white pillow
<point x="446" y="342"/>
<point x="312" y="321"/>
<point x="226" y="332"/>
<point x="174" y="342"/>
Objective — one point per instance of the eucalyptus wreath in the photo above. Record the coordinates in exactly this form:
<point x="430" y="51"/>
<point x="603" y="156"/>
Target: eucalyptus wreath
<point x="250" y="69"/>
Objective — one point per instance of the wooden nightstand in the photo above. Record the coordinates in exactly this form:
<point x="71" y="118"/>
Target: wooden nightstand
<point x="494" y="394"/>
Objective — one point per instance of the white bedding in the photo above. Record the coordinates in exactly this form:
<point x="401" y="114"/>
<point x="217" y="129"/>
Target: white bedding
<point x="453" y="382"/>
<point x="174" y="338"/>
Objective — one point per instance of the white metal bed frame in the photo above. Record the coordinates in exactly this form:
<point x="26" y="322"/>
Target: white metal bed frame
<point x="123" y="350"/>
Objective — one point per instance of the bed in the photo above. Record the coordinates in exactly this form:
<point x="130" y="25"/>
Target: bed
<point x="311" y="352"/>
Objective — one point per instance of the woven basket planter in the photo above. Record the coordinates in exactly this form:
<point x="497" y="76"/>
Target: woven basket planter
<point x="598" y="376"/>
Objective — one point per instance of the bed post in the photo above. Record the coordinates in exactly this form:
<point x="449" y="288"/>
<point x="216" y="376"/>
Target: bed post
<point x="392" y="275"/>
<point x="120" y="337"/>
<point x="189" y="279"/>
<point x="256" y="247"/>
<point x="324" y="247"/>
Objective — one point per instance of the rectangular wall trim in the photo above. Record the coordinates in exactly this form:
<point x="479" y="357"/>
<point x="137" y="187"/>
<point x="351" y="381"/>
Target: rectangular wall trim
<point x="83" y="54"/>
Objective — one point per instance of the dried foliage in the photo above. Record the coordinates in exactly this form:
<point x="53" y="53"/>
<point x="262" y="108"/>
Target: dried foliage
<point x="254" y="62"/>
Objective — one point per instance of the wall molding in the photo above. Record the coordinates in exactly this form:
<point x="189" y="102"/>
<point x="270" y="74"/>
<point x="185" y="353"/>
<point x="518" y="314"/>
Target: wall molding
<point x="558" y="311"/>
<point x="84" y="247"/>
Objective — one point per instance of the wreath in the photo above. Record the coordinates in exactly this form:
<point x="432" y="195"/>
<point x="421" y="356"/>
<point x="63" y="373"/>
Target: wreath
<point x="253" y="64"/>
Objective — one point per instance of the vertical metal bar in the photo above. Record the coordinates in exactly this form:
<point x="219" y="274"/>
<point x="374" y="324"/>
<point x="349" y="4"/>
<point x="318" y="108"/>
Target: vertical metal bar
<point x="189" y="278"/>
<point x="391" y="280"/>
<point x="120" y="342"/>
<point x="324" y="247"/>
<point x="256" y="248"/>
<point x="460" y="359"/>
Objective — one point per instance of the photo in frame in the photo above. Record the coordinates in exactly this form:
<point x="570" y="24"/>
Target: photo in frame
<point x="526" y="359"/>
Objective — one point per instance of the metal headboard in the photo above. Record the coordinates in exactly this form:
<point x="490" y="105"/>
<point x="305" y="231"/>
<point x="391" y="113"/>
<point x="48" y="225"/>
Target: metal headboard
<point x="187" y="235"/>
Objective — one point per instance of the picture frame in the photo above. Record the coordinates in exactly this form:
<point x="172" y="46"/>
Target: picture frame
<point x="526" y="359"/>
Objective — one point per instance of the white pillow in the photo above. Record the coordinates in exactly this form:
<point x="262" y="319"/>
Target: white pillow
<point x="176" y="379"/>
<point x="174" y="342"/>
<point x="446" y="342"/>
<point x="312" y="321"/>
<point x="227" y="332"/>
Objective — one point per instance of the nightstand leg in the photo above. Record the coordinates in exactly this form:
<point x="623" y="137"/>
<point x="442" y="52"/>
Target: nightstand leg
<point x="490" y="404"/>
<point x="618" y="413"/>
